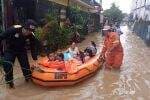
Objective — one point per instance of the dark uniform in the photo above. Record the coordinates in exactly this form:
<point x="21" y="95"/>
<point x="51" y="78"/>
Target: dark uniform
<point x="15" y="47"/>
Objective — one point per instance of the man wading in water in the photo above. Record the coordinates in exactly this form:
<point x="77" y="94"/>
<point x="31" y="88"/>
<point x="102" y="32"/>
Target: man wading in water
<point x="112" y="50"/>
<point x="16" y="38"/>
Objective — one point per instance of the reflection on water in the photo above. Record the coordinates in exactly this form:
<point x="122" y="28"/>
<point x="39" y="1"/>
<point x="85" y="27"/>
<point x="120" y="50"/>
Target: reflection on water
<point x="132" y="82"/>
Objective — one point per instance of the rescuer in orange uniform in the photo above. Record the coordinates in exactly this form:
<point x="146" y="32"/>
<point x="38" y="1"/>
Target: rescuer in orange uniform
<point x="112" y="50"/>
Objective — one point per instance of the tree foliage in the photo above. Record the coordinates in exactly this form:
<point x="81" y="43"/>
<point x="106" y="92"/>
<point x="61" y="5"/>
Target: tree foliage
<point x="79" y="18"/>
<point x="114" y="14"/>
<point x="56" y="37"/>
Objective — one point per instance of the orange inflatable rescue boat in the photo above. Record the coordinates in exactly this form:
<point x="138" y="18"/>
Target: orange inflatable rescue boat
<point x="73" y="73"/>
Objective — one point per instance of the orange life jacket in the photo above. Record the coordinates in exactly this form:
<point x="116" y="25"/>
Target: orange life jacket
<point x="115" y="56"/>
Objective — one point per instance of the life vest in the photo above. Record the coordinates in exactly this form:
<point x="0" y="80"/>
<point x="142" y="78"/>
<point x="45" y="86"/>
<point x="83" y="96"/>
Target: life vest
<point x="114" y="57"/>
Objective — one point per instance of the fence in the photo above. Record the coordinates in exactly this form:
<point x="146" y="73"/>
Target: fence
<point x="142" y="29"/>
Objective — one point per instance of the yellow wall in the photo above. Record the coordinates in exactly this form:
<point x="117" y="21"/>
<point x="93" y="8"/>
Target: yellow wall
<point x="62" y="2"/>
<point x="72" y="2"/>
<point x="83" y="6"/>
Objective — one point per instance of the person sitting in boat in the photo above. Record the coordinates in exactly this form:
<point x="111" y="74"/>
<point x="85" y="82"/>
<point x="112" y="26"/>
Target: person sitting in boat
<point x="60" y="57"/>
<point x="93" y="48"/>
<point x="60" y="63"/>
<point x="81" y="56"/>
<point x="56" y="62"/>
<point x="51" y="57"/>
<point x="73" y="50"/>
<point x="88" y="54"/>
<point x="57" y="57"/>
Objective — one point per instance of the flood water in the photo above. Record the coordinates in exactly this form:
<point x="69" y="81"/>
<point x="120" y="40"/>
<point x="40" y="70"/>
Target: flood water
<point x="132" y="82"/>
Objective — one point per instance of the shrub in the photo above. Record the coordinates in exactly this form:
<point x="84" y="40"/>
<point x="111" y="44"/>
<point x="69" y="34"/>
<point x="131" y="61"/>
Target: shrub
<point x="79" y="18"/>
<point x="38" y="33"/>
<point x="57" y="37"/>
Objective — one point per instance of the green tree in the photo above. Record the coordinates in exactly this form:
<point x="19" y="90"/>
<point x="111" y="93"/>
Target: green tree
<point x="114" y="14"/>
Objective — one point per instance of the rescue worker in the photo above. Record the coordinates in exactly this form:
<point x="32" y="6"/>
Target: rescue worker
<point x="104" y="30"/>
<point x="16" y="38"/>
<point x="112" y="50"/>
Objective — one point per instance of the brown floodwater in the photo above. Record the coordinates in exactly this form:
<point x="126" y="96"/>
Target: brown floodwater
<point x="132" y="82"/>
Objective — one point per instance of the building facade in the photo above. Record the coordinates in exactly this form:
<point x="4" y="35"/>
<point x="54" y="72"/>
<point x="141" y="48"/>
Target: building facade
<point x="141" y="9"/>
<point x="18" y="11"/>
<point x="140" y="13"/>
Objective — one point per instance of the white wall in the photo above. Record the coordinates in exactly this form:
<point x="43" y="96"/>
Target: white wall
<point x="133" y="4"/>
<point x="141" y="13"/>
<point x="147" y="2"/>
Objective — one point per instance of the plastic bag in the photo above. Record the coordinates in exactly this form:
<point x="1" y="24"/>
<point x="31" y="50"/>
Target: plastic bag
<point x="67" y="56"/>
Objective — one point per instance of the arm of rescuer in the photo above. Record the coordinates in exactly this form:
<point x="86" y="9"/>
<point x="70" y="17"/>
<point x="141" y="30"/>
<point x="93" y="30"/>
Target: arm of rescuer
<point x="104" y="49"/>
<point x="34" y="45"/>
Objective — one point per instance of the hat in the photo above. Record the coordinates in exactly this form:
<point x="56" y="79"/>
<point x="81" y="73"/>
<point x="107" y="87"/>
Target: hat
<point x="30" y="24"/>
<point x="106" y="28"/>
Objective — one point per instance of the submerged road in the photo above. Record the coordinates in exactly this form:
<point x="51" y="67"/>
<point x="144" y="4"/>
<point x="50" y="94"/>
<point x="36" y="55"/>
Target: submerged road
<point x="132" y="82"/>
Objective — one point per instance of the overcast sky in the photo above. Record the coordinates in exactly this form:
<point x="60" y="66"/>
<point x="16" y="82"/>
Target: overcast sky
<point x="124" y="5"/>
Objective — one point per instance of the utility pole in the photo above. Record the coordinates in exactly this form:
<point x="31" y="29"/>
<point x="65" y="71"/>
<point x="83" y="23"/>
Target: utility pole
<point x="3" y="13"/>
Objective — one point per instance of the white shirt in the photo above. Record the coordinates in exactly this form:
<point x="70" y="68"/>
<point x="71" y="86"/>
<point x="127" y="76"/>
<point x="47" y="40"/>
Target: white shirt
<point x="74" y="52"/>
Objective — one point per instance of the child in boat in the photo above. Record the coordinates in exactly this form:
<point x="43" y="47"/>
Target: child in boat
<point x="60" y="57"/>
<point x="51" y="57"/>
<point x="48" y="61"/>
<point x="60" y="64"/>
<point x="81" y="56"/>
<point x="55" y="61"/>
<point x="57" y="57"/>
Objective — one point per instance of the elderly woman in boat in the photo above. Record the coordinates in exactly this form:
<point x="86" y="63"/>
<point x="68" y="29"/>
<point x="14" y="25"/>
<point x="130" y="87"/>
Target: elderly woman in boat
<point x="73" y="50"/>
